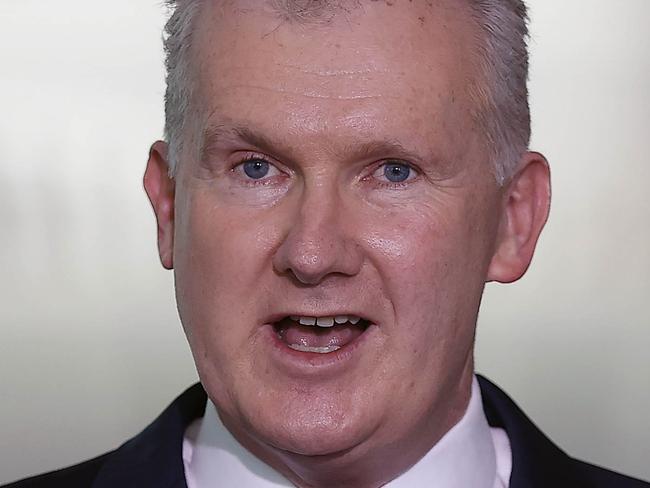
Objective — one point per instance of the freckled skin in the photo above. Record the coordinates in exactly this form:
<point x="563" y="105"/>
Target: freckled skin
<point x="323" y="232"/>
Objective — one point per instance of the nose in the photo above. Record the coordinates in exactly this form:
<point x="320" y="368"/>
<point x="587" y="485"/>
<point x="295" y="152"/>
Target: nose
<point x="320" y="240"/>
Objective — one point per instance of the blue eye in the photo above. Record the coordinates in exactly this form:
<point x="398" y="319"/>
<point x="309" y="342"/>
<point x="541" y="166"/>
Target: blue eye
<point x="256" y="168"/>
<point x="397" y="172"/>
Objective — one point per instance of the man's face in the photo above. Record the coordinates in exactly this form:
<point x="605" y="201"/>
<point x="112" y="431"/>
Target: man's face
<point x="340" y="175"/>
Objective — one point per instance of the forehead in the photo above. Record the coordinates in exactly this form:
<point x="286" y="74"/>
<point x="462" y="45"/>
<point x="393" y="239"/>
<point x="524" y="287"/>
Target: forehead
<point x="397" y="69"/>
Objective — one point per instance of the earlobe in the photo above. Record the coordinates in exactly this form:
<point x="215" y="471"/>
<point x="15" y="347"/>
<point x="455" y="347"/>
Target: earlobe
<point x="160" y="188"/>
<point x="525" y="210"/>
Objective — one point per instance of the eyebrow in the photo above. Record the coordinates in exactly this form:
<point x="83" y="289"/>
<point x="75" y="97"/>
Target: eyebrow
<point x="215" y="135"/>
<point x="385" y="149"/>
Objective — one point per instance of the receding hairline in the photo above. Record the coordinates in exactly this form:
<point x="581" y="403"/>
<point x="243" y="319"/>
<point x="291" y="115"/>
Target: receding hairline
<point x="323" y="13"/>
<point x="317" y="12"/>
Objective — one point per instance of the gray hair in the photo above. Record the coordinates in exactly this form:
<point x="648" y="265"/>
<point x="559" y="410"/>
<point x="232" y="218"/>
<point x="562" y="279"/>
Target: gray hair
<point x="500" y="96"/>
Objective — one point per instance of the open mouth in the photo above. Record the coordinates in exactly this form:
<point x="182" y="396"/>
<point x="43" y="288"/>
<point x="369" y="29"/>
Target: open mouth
<point x="320" y="335"/>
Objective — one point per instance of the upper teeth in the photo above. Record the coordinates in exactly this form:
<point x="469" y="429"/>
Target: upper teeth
<point x="326" y="321"/>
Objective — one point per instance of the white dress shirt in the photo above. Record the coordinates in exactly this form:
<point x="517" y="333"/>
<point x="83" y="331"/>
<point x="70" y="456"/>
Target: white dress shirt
<point x="471" y="454"/>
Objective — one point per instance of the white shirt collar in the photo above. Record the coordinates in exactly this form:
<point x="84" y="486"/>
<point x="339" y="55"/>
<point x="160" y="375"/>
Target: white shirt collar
<point x="469" y="454"/>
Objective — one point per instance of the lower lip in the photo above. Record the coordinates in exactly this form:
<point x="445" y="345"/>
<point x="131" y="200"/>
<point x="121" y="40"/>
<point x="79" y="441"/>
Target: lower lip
<point x="299" y="362"/>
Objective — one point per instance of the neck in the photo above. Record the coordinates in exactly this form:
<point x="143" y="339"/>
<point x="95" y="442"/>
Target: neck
<point x="373" y="462"/>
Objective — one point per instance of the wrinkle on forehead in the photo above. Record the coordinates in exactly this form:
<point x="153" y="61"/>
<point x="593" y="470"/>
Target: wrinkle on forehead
<point x="334" y="72"/>
<point x="320" y="82"/>
<point x="323" y="72"/>
<point x="312" y="94"/>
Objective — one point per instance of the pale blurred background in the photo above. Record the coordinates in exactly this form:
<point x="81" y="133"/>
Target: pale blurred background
<point x="91" y="349"/>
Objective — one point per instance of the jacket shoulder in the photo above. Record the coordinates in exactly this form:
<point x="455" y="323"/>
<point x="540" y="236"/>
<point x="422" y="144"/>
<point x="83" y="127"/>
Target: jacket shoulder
<point x="598" y="477"/>
<point x="153" y="458"/>
<point x="536" y="460"/>
<point x="78" y="476"/>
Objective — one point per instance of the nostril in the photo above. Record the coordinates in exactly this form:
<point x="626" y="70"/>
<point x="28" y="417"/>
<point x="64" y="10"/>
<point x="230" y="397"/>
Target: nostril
<point x="307" y="275"/>
<point x="309" y="253"/>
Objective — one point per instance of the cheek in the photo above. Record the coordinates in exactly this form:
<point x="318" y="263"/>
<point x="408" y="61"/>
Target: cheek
<point x="432" y="261"/>
<point x="414" y="247"/>
<point x="221" y="240"/>
<point x="221" y="254"/>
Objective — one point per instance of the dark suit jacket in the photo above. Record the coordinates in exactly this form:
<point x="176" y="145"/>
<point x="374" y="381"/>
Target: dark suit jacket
<point x="153" y="458"/>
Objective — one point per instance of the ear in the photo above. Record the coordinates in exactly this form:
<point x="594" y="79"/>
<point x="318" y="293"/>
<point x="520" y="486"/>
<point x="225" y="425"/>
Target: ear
<point x="526" y="205"/>
<point x="160" y="188"/>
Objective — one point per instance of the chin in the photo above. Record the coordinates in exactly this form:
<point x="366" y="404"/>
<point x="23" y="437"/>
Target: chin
<point x="312" y="425"/>
<point x="313" y="440"/>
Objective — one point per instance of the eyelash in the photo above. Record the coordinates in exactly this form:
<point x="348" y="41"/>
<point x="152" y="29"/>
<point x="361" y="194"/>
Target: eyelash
<point x="382" y="184"/>
<point x="390" y="184"/>
<point x="252" y="157"/>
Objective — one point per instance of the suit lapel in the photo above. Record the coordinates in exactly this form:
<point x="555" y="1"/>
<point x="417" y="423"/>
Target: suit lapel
<point x="536" y="461"/>
<point x="154" y="458"/>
